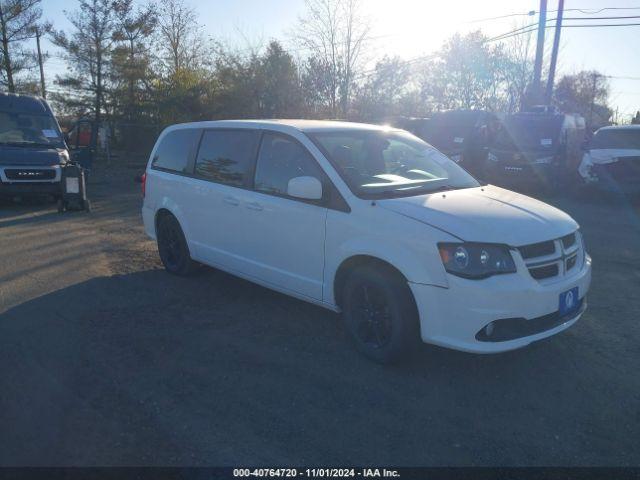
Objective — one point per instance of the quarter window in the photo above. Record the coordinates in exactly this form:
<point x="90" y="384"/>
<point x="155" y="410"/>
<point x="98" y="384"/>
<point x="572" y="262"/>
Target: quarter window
<point x="280" y="160"/>
<point x="175" y="149"/>
<point x="226" y="156"/>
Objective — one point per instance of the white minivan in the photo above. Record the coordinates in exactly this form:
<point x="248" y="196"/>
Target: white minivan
<point x="371" y="222"/>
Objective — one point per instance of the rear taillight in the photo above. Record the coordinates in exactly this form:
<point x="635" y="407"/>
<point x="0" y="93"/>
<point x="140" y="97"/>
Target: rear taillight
<point x="143" y="183"/>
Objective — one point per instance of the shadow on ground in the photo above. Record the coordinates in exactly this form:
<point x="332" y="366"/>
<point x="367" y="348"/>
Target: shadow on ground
<point x="150" y="369"/>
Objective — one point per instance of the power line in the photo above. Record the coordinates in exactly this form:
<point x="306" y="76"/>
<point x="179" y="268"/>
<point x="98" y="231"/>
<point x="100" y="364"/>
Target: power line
<point x="525" y="27"/>
<point x="368" y="73"/>
<point x="595" y="12"/>
<point x="530" y="14"/>
<point x="535" y="12"/>
<point x="600" y="25"/>
<point x="602" y="18"/>
<point x="621" y="78"/>
<point x="521" y="31"/>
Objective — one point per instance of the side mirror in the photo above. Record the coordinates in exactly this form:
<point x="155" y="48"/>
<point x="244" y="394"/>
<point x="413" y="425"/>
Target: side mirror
<point x="308" y="188"/>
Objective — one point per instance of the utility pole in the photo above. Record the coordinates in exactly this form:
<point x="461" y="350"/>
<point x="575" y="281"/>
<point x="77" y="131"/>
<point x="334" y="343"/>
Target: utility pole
<point x="594" y="77"/>
<point x="537" y="68"/>
<point x="554" y="53"/>
<point x="38" y="33"/>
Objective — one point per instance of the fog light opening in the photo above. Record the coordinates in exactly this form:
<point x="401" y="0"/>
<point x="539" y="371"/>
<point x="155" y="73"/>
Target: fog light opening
<point x="488" y="330"/>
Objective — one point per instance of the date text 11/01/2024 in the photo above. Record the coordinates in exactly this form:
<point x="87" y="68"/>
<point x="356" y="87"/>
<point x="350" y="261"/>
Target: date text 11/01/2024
<point x="316" y="472"/>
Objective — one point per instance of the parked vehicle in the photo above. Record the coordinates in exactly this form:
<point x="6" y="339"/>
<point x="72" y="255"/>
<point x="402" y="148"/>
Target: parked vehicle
<point x="32" y="147"/>
<point x="81" y="140"/>
<point x="536" y="148"/>
<point x="463" y="136"/>
<point x="612" y="160"/>
<point x="418" y="126"/>
<point x="371" y="222"/>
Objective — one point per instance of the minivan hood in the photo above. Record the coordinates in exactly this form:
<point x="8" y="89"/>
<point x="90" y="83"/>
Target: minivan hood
<point x="486" y="214"/>
<point x="37" y="156"/>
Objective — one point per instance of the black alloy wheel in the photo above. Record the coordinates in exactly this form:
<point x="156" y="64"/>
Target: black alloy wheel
<point x="172" y="246"/>
<point x="372" y="315"/>
<point x="380" y="313"/>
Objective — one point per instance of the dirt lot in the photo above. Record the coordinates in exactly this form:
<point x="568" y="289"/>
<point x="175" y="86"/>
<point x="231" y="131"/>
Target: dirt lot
<point x="107" y="360"/>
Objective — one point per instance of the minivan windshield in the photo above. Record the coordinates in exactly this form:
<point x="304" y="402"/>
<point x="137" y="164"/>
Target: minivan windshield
<point x="27" y="129"/>
<point x="385" y="164"/>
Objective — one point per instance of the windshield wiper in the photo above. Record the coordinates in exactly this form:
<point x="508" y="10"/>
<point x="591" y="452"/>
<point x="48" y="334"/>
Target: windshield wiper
<point x="405" y="192"/>
<point x="409" y="192"/>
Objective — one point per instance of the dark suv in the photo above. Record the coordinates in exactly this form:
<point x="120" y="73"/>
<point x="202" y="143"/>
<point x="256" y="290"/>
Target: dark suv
<point x="32" y="147"/>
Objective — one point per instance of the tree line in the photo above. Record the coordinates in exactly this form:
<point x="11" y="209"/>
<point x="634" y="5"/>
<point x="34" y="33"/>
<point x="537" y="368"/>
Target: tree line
<point x="153" y="64"/>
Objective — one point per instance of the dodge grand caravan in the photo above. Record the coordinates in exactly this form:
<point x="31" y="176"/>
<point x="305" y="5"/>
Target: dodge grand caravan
<point x="370" y="222"/>
<point x="32" y="148"/>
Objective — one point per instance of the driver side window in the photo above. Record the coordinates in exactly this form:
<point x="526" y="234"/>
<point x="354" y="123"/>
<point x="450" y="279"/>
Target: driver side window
<point x="281" y="159"/>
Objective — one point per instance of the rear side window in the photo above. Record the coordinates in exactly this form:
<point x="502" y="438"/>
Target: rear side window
<point x="280" y="160"/>
<point x="174" y="151"/>
<point x="226" y="156"/>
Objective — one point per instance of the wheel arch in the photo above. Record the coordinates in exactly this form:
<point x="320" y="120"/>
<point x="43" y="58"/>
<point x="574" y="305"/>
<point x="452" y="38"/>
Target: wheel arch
<point x="169" y="207"/>
<point x="355" y="261"/>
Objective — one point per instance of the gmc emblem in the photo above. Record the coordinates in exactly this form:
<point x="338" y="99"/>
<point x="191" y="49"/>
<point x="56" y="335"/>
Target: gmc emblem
<point x="29" y="173"/>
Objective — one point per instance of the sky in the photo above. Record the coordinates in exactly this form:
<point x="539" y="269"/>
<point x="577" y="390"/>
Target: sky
<point x="412" y="28"/>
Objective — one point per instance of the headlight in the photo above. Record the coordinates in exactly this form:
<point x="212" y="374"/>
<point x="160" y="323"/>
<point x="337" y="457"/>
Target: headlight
<point x="63" y="155"/>
<point x="476" y="260"/>
<point x="492" y="157"/>
<point x="582" y="244"/>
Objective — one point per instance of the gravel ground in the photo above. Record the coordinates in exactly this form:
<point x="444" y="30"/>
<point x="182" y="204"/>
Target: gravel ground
<point x="107" y="360"/>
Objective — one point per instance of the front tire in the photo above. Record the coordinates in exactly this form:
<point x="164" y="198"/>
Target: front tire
<point x="380" y="314"/>
<point x="172" y="247"/>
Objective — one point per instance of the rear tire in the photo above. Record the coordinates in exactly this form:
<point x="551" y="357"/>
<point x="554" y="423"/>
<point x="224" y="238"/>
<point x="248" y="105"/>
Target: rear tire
<point x="380" y="314"/>
<point x="173" y="248"/>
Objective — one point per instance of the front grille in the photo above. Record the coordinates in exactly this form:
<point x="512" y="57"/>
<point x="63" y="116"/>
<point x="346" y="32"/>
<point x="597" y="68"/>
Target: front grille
<point x="544" y="272"/>
<point x="537" y="249"/>
<point x="29" y="174"/>
<point x="553" y="258"/>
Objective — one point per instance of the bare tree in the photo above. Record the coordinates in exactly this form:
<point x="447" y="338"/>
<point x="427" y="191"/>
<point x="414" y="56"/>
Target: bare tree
<point x="586" y="92"/>
<point x="517" y="70"/>
<point x="180" y="38"/>
<point x="334" y="31"/>
<point x="17" y="20"/>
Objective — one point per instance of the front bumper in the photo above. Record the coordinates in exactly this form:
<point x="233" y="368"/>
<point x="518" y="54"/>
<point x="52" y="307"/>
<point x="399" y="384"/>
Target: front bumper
<point x="452" y="317"/>
<point x="620" y="175"/>
<point x="30" y="185"/>
<point x="533" y="173"/>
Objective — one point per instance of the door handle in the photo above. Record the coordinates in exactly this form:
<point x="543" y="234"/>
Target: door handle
<point x="231" y="201"/>
<point x="254" y="206"/>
